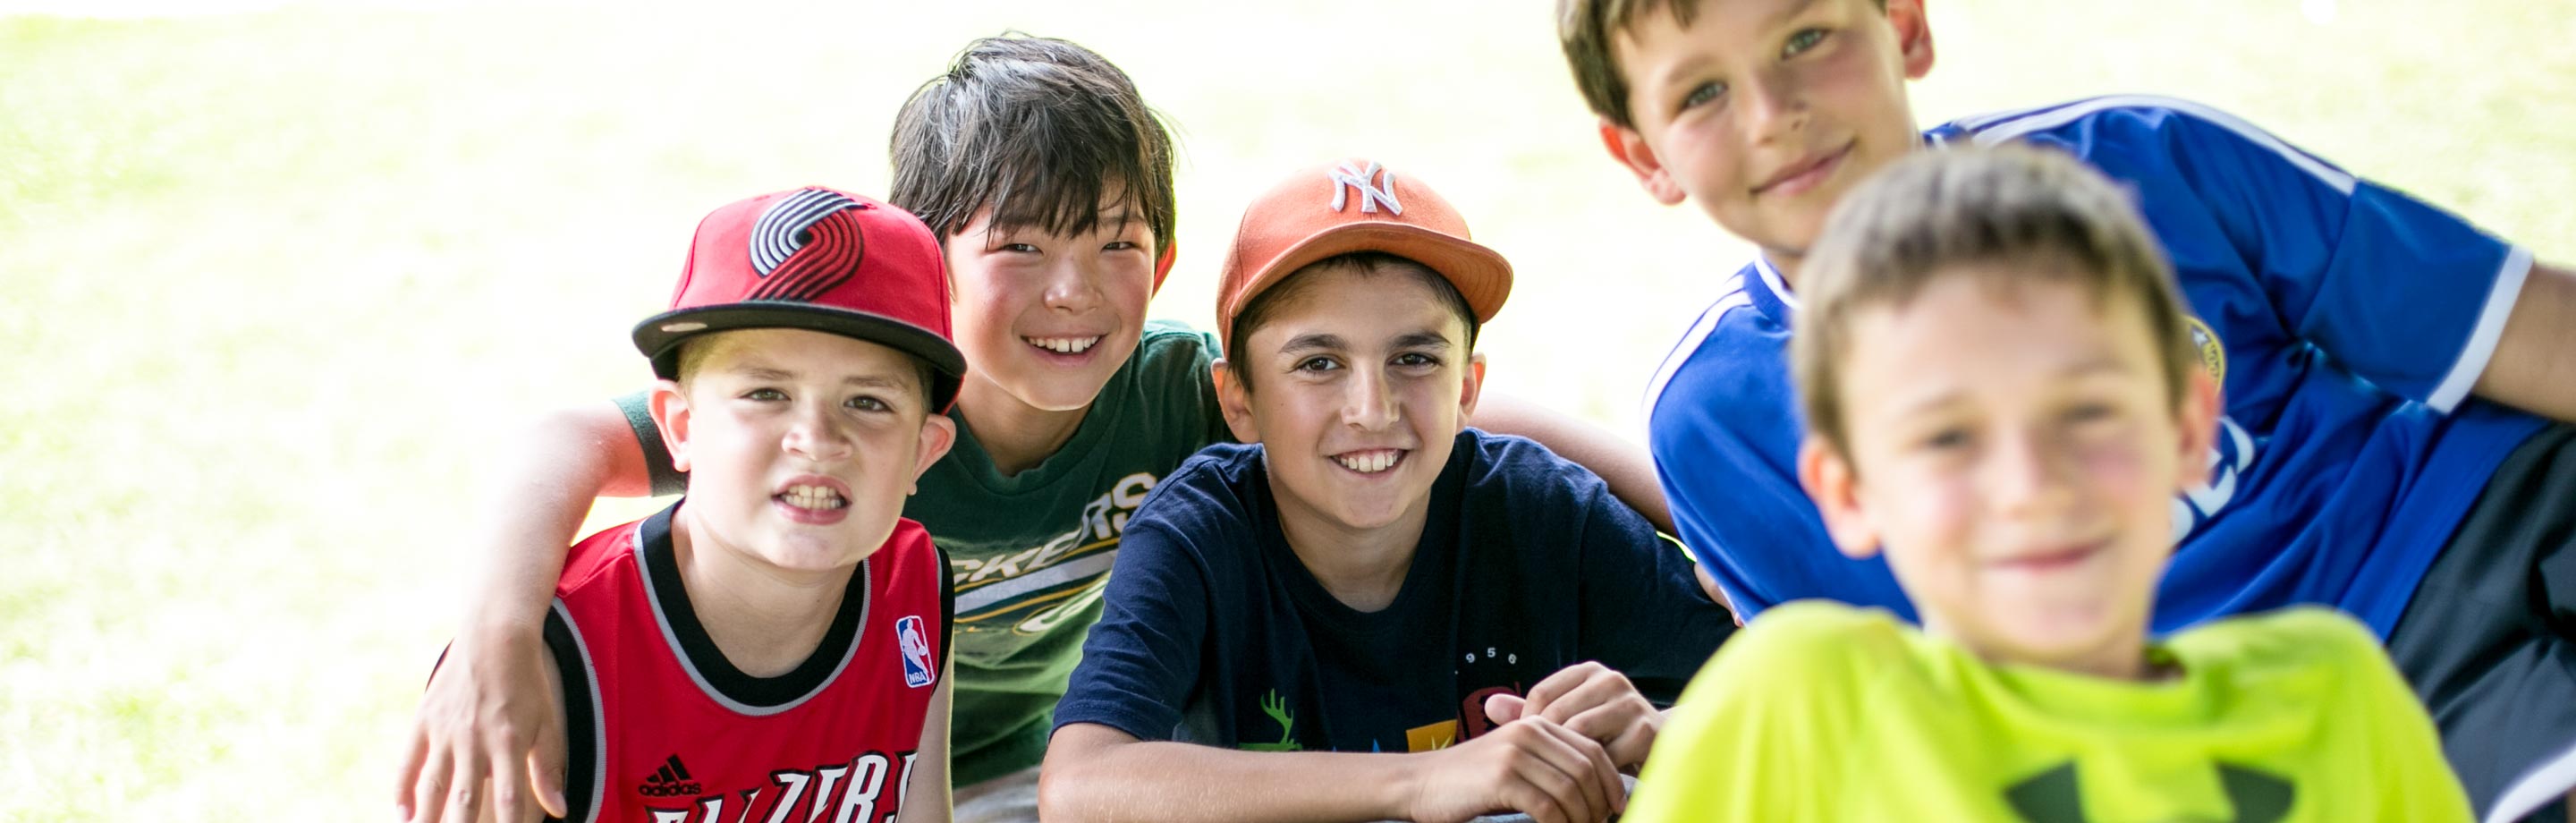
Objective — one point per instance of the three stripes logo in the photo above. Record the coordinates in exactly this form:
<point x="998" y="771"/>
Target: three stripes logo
<point x="806" y="245"/>
<point x="672" y="780"/>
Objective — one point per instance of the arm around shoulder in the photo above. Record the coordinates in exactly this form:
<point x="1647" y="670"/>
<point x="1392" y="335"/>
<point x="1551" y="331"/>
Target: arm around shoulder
<point x="926" y="793"/>
<point x="1626" y="466"/>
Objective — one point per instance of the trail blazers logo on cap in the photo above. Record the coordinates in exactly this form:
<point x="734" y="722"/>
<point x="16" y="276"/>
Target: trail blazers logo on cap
<point x="1383" y="191"/>
<point x="805" y="245"/>
<point x="916" y="651"/>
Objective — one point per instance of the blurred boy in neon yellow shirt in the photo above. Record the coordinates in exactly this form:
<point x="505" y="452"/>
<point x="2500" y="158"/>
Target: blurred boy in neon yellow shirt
<point x="2002" y="394"/>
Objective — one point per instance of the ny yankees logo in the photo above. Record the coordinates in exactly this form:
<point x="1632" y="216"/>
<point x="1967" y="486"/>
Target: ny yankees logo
<point x="1370" y="195"/>
<point x="815" y="221"/>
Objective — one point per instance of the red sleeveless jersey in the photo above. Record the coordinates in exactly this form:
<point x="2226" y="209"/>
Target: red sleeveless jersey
<point x="662" y="729"/>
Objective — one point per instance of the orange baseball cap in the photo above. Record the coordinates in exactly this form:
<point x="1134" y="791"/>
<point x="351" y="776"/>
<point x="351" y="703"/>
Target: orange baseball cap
<point x="1355" y="206"/>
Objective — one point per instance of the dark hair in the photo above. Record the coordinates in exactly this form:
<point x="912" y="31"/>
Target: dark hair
<point x="1039" y="130"/>
<point x="2010" y="214"/>
<point x="1584" y="28"/>
<point x="1285" y="293"/>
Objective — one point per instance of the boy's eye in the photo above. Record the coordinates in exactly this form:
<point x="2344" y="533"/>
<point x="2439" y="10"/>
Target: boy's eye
<point x="866" y="403"/>
<point x="2089" y="413"/>
<point x="1022" y="248"/>
<point x="1703" y="94"/>
<point x="1803" y="40"/>
<point x="1946" y="440"/>
<point x="1120" y="245"/>
<point x="764" y="394"/>
<point x="1316" y="364"/>
<point x="1416" y="359"/>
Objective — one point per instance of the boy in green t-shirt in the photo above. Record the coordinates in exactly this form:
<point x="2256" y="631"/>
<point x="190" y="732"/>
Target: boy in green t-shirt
<point x="1049" y="184"/>
<point x="2003" y="398"/>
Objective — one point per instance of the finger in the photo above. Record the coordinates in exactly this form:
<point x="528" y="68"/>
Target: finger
<point x="465" y="796"/>
<point x="407" y="779"/>
<point x="1631" y="747"/>
<point x="1599" y="776"/>
<point x="1541" y="807"/>
<point x="429" y="795"/>
<point x="1503" y="708"/>
<point x="546" y="767"/>
<point x="1602" y="688"/>
<point x="1556" y="685"/>
<point x="1548" y="792"/>
<point x="1576" y="758"/>
<point x="510" y="789"/>
<point x="1606" y="715"/>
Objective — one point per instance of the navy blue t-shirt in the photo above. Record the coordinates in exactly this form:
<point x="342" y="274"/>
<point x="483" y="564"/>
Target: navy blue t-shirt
<point x="1214" y="633"/>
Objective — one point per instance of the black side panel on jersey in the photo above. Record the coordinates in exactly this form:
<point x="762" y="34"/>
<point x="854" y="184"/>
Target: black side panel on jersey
<point x="583" y="778"/>
<point x="947" y="611"/>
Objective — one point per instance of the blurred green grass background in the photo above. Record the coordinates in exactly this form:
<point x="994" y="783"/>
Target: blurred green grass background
<point x="270" y="278"/>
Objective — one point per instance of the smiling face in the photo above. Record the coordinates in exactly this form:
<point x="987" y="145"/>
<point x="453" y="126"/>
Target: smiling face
<point x="1044" y="319"/>
<point x="1356" y="384"/>
<point x="1766" y="111"/>
<point x="800" y="445"/>
<point x="2014" y="447"/>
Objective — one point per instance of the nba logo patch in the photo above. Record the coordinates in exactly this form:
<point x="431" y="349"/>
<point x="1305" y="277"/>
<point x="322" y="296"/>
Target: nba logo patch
<point x="916" y="651"/>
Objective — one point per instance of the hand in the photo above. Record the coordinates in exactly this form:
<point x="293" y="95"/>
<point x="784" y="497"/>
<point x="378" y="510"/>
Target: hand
<point x="1532" y="766"/>
<point x="487" y="720"/>
<point x="1595" y="702"/>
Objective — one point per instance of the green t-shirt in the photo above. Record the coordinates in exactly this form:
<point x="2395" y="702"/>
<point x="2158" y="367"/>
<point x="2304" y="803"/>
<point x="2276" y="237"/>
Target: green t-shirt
<point x="1030" y="552"/>
<point x="1819" y="711"/>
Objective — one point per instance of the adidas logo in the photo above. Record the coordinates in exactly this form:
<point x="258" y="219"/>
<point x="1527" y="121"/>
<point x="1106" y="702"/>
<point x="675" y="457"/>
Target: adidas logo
<point x="671" y="781"/>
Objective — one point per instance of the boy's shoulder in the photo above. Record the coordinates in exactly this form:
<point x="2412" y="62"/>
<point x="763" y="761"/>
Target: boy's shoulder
<point x="2131" y="134"/>
<point x="599" y="559"/>
<point x="1735" y="351"/>
<point x="2296" y="643"/>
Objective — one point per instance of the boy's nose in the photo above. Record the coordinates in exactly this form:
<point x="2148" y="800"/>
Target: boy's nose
<point x="1369" y="404"/>
<point x="1073" y="287"/>
<point x="2025" y="477"/>
<point x="1772" y="108"/>
<point x="814" y="435"/>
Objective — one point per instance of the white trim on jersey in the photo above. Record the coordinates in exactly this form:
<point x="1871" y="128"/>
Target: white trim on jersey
<point x="2490" y="329"/>
<point x="598" y="716"/>
<point x="671" y="638"/>
<point x="1779" y="288"/>
<point x="2000" y="131"/>
<point x="1731" y="297"/>
<point x="2550" y="780"/>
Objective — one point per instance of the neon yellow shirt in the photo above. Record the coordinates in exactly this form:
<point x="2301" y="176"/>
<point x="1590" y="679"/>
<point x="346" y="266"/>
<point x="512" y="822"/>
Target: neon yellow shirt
<point x="1819" y="711"/>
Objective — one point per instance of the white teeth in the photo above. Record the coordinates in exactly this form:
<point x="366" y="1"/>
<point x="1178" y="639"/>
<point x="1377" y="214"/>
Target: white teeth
<point x="1063" y="345"/>
<point x="1369" y="462"/>
<point x="819" y="498"/>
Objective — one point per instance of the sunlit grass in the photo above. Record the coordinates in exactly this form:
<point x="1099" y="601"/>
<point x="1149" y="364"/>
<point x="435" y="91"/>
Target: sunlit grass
<point x="268" y="281"/>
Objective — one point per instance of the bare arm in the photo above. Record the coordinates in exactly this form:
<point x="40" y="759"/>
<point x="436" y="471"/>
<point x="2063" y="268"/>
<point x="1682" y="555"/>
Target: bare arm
<point x="926" y="796"/>
<point x="485" y="710"/>
<point x="2534" y="366"/>
<point x="1622" y="464"/>
<point x="1094" y="772"/>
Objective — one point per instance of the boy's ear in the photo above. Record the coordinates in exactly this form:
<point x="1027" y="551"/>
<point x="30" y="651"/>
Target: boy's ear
<point x="1630" y="149"/>
<point x="1234" y="400"/>
<point x="670" y="408"/>
<point x="1474" y="387"/>
<point x="938" y="434"/>
<point x="1830" y="480"/>
<point x="1913" y="36"/>
<point x="1163" y="265"/>
<point x="2196" y="419"/>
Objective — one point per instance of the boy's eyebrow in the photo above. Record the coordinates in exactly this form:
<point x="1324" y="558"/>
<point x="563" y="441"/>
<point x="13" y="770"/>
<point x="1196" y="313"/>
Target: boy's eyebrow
<point x="1422" y="340"/>
<point x="2087" y="367"/>
<point x="757" y="372"/>
<point x="1317" y="341"/>
<point x="1680" y="71"/>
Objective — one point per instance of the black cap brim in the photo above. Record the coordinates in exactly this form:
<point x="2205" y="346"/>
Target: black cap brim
<point x="659" y="337"/>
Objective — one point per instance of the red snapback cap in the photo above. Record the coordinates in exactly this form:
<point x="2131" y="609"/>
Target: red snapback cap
<point x="815" y="259"/>
<point x="1355" y="206"/>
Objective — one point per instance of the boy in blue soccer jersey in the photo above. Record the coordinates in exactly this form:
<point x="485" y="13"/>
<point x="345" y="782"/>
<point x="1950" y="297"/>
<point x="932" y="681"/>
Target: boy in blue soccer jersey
<point x="2389" y="371"/>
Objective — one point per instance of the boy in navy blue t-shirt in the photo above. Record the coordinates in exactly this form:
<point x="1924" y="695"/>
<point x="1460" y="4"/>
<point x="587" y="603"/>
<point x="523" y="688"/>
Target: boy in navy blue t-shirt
<point x="1372" y="612"/>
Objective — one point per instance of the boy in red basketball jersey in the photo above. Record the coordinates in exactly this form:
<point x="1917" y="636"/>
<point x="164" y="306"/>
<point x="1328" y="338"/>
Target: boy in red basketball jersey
<point x="774" y="646"/>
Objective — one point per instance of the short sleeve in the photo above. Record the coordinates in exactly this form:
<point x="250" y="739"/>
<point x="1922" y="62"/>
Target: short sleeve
<point x="1141" y="661"/>
<point x="2397" y="291"/>
<point x="1644" y="613"/>
<point x="657" y="457"/>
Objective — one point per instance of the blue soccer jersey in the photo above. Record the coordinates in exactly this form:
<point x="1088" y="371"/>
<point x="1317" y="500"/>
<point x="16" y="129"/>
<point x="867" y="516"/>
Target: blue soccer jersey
<point x="2345" y="320"/>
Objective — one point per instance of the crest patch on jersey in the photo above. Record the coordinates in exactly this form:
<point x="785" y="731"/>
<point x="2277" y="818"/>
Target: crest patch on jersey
<point x="916" y="651"/>
<point x="2213" y="354"/>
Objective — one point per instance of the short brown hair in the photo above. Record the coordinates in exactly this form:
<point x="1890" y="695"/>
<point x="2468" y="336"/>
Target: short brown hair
<point x="1931" y="215"/>
<point x="1584" y="28"/>
<point x="1284" y="294"/>
<point x="1038" y="129"/>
